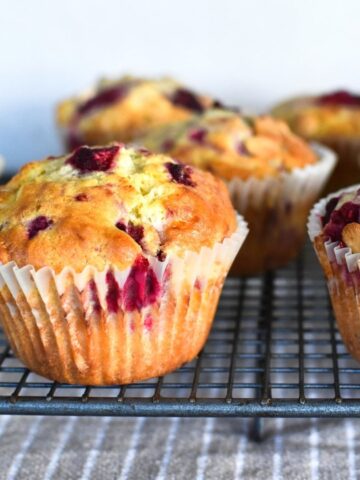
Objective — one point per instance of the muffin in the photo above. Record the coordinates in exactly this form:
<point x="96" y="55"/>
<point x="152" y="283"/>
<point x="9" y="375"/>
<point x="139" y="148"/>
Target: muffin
<point x="118" y="110"/>
<point x="112" y="263"/>
<point x="334" y="229"/>
<point x="334" y="120"/>
<point x="272" y="175"/>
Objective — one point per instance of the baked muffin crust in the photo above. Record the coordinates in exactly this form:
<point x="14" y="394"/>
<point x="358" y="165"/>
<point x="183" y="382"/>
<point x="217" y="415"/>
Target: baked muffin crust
<point x="232" y="145"/>
<point x="121" y="109"/>
<point x="106" y="205"/>
<point x="335" y="114"/>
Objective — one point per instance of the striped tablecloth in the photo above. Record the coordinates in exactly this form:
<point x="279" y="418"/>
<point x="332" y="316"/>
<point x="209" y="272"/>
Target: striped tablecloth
<point x="35" y="448"/>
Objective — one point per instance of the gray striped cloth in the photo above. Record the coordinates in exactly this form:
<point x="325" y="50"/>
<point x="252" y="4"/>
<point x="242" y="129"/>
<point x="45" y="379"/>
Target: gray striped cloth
<point x="34" y="448"/>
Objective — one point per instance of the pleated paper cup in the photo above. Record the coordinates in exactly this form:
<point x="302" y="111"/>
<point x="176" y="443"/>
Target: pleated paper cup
<point x="342" y="270"/>
<point x="276" y="210"/>
<point x="115" y="327"/>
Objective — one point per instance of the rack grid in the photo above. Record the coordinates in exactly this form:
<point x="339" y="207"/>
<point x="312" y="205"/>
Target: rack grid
<point x="274" y="350"/>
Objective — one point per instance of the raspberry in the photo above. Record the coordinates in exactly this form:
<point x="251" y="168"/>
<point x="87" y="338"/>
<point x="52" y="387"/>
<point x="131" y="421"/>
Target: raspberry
<point x="104" y="98"/>
<point x="113" y="293"/>
<point x="141" y="287"/>
<point x="348" y="213"/>
<point x="38" y="224"/>
<point x="86" y="159"/>
<point x="135" y="231"/>
<point x="185" y="98"/>
<point x="198" y="135"/>
<point x="180" y="173"/>
<point x="340" y="97"/>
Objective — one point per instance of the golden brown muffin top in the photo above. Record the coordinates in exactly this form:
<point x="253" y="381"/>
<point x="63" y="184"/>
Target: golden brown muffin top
<point x="335" y="114"/>
<point x="106" y="205"/>
<point x="118" y="110"/>
<point x="231" y="145"/>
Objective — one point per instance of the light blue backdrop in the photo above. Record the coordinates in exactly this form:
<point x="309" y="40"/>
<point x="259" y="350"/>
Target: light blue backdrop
<point x="248" y="52"/>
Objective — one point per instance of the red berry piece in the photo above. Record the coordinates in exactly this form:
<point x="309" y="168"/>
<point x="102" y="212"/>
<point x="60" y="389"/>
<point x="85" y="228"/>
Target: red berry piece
<point x="329" y="208"/>
<point x="161" y="255"/>
<point x="180" y="173"/>
<point x="198" y="135"/>
<point x="81" y="197"/>
<point x="340" y="97"/>
<point x="152" y="288"/>
<point x="136" y="232"/>
<point x="186" y="99"/>
<point x="113" y="293"/>
<point x="348" y="213"/>
<point x="38" y="224"/>
<point x="94" y="297"/>
<point x="141" y="287"/>
<point x="103" y="99"/>
<point x="121" y="226"/>
<point x="148" y="322"/>
<point x="86" y="159"/>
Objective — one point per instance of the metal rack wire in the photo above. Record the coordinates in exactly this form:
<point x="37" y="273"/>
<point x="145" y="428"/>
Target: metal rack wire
<point x="274" y="350"/>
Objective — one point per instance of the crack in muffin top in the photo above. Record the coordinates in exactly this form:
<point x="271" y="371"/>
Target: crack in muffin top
<point x="106" y="205"/>
<point x="232" y="145"/>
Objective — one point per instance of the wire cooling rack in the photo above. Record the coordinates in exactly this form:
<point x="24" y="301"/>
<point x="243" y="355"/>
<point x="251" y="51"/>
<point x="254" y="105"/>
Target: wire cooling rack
<point x="274" y="350"/>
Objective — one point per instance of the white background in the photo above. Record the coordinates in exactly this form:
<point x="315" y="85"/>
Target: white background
<point x="251" y="53"/>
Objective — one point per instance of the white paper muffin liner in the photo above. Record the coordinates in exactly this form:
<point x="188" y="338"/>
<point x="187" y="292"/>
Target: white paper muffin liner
<point x="276" y="209"/>
<point x="62" y="327"/>
<point x="294" y="186"/>
<point x="342" y="270"/>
